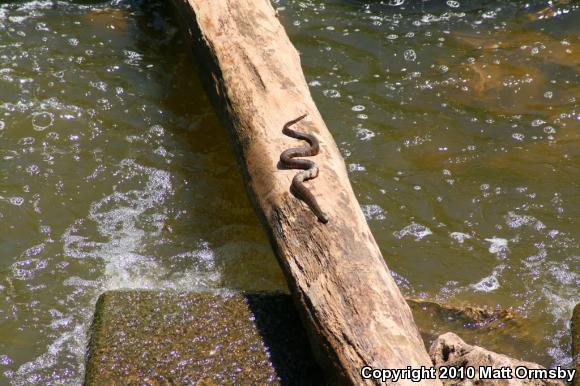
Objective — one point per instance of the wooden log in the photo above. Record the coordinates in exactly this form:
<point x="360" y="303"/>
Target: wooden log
<point x="350" y="305"/>
<point x="449" y="350"/>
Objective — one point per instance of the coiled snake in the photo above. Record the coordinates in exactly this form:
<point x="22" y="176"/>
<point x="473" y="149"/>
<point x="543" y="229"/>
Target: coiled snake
<point x="310" y="169"/>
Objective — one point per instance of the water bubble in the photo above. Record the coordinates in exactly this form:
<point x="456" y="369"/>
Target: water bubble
<point x="548" y="95"/>
<point x="42" y="120"/>
<point x="453" y="3"/>
<point x="99" y="85"/>
<point x="104" y="103"/>
<point x="373" y="212"/>
<point x="410" y="55"/>
<point x="356" y="168"/>
<point x="5" y="360"/>
<point x="32" y="169"/>
<point x="26" y="141"/>
<point x="392" y="36"/>
<point x="157" y="130"/>
<point x="459" y="236"/>
<point x="364" y="134"/>
<point x="331" y="93"/>
<point x="16" y="200"/>
<point x="518" y="136"/>
<point x="537" y="122"/>
<point x="358" y="108"/>
<point x="498" y="246"/>
<point x="489" y="15"/>
<point x="443" y="69"/>
<point x="415" y="230"/>
<point x="52" y="136"/>
<point x="549" y="130"/>
<point x="2" y="125"/>
<point x="396" y="3"/>
<point x="41" y="27"/>
<point x="487" y="284"/>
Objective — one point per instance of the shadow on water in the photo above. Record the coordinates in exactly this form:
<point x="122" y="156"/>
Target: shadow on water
<point x="220" y="212"/>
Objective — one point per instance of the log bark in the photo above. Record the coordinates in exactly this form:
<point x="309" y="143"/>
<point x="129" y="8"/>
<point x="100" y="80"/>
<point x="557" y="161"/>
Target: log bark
<point x="350" y="305"/>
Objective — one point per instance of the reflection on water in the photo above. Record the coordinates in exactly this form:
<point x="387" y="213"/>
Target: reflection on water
<point x="458" y="121"/>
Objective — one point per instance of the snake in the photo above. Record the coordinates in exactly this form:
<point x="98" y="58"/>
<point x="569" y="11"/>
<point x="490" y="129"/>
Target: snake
<point x="310" y="169"/>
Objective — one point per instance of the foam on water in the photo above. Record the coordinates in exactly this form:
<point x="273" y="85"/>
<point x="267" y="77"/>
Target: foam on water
<point x="487" y="284"/>
<point x="117" y="239"/>
<point x="127" y="220"/>
<point x="498" y="246"/>
<point x="373" y="212"/>
<point x="459" y="236"/>
<point x="415" y="230"/>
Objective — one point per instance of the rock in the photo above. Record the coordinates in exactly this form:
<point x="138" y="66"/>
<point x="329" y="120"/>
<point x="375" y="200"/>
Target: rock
<point x="167" y="338"/>
<point x="450" y="350"/>
<point x="576" y="342"/>
<point x="467" y="313"/>
<point x="496" y="329"/>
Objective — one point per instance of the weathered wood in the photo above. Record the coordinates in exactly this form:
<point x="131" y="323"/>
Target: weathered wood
<point x="449" y="350"/>
<point x="352" y="309"/>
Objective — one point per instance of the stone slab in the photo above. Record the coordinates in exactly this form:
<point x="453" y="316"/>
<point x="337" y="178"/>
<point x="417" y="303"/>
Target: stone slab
<point x="167" y="338"/>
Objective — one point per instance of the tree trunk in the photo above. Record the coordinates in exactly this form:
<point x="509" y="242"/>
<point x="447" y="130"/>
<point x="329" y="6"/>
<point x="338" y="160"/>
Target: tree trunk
<point x="352" y="309"/>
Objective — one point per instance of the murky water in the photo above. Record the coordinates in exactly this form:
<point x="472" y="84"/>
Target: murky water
<point x="115" y="174"/>
<point x="459" y="123"/>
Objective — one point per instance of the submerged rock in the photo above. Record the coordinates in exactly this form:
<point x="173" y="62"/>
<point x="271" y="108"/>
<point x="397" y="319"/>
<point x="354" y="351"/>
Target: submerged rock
<point x="468" y="314"/>
<point x="495" y="328"/>
<point x="449" y="350"/>
<point x="166" y="338"/>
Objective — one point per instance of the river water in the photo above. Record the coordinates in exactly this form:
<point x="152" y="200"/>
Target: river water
<point x="458" y="121"/>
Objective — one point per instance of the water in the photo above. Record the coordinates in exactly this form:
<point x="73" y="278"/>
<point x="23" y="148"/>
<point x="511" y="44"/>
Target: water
<point x="115" y="174"/>
<point x="458" y="122"/>
<point x="460" y="125"/>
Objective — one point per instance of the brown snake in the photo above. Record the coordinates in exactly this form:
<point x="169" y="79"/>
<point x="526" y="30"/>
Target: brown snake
<point x="310" y="169"/>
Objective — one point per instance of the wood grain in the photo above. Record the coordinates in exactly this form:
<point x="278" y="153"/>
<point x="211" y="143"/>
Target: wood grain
<point x="352" y="309"/>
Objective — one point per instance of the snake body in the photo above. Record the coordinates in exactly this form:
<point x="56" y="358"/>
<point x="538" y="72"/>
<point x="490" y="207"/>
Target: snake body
<point x="310" y="170"/>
